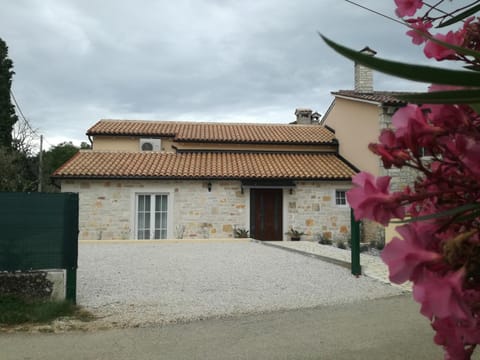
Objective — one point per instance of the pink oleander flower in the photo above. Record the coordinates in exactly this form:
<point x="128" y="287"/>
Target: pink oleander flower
<point x="439" y="52"/>
<point x="441" y="296"/>
<point x="465" y="151"/>
<point x="439" y="87"/>
<point x="419" y="31"/>
<point x="447" y="117"/>
<point x="371" y="199"/>
<point x="412" y="127"/>
<point x="407" y="7"/>
<point x="456" y="338"/>
<point x="389" y="151"/>
<point x="471" y="157"/>
<point x="397" y="157"/>
<point x="405" y="257"/>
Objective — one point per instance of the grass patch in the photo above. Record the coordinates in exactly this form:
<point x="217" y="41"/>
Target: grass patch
<point x="14" y="311"/>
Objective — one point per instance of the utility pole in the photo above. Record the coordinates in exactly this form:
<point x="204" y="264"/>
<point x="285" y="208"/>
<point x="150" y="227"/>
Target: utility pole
<point x="40" y="166"/>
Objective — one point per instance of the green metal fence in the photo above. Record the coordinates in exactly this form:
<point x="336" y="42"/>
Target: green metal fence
<point x="40" y="231"/>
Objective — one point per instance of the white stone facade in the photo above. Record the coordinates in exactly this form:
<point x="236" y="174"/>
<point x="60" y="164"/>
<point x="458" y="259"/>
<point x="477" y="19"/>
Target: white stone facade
<point x="108" y="207"/>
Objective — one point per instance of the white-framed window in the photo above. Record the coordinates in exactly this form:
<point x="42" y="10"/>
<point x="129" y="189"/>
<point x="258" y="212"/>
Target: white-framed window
<point x="151" y="216"/>
<point x="341" y="197"/>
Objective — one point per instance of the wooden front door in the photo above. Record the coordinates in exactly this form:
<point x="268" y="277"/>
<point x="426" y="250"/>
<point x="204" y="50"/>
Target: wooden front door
<point x="266" y="214"/>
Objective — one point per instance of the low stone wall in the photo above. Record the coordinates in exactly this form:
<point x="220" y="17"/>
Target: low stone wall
<point x="33" y="285"/>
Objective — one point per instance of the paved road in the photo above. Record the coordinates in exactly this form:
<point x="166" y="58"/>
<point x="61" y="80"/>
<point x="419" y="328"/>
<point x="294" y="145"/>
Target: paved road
<point x="389" y="328"/>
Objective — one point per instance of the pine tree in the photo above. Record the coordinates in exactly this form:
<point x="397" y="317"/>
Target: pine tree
<point x="7" y="111"/>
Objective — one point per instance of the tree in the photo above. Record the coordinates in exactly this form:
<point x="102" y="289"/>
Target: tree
<point x="18" y="172"/>
<point x="55" y="157"/>
<point x="7" y="111"/>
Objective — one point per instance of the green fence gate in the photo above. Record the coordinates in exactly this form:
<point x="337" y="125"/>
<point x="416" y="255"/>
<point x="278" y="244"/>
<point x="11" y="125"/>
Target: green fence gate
<point x="39" y="231"/>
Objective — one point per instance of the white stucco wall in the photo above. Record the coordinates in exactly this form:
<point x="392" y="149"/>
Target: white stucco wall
<point x="107" y="208"/>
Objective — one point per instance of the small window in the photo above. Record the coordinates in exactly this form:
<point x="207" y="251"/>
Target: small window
<point x="341" y="197"/>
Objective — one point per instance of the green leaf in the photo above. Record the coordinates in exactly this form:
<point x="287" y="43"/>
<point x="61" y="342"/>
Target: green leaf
<point x="475" y="107"/>
<point x="473" y="215"/>
<point x="472" y="67"/>
<point x="443" y="97"/>
<point x="447" y="213"/>
<point x="409" y="71"/>
<point x="460" y="16"/>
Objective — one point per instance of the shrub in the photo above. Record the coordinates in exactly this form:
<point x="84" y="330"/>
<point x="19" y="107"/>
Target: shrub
<point x="325" y="241"/>
<point x="379" y="245"/>
<point x="241" y="233"/>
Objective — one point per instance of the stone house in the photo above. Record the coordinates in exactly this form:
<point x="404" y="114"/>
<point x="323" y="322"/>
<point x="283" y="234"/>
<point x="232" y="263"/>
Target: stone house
<point x="163" y="179"/>
<point x="357" y="117"/>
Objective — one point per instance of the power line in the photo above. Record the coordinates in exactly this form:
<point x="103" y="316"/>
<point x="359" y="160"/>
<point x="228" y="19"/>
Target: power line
<point x="376" y="12"/>
<point x="21" y="113"/>
<point x="17" y="105"/>
<point x="432" y="7"/>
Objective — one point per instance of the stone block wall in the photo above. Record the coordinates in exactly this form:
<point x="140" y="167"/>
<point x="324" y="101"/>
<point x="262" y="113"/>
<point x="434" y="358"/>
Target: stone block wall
<point x="312" y="209"/>
<point x="372" y="231"/>
<point x="400" y="177"/>
<point x="207" y="214"/>
<point x="107" y="208"/>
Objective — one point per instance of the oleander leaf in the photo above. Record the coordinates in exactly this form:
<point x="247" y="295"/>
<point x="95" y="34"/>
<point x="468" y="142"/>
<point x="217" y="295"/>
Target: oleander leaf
<point x="460" y="16"/>
<point x="419" y="73"/>
<point x="464" y="211"/>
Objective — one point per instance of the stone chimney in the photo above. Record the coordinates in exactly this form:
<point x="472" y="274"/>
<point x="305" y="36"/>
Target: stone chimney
<point x="364" y="75"/>
<point x="304" y="116"/>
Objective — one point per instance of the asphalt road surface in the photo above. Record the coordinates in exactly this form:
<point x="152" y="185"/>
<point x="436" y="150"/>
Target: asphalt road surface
<point x="389" y="328"/>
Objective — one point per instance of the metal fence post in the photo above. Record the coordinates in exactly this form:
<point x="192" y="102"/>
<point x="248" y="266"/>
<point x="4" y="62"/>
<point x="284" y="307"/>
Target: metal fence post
<point x="355" y="245"/>
<point x="71" y="285"/>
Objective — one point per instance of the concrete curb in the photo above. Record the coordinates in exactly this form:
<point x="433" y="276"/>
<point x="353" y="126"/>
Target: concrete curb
<point x="330" y="260"/>
<point x="163" y="241"/>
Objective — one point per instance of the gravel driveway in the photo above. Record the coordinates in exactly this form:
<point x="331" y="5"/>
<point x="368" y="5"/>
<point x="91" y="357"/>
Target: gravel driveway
<point x="140" y="284"/>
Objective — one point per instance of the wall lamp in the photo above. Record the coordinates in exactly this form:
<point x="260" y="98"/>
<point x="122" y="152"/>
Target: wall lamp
<point x="209" y="186"/>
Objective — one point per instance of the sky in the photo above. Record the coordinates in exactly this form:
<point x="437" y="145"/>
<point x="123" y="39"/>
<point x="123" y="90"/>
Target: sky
<point x="79" y="61"/>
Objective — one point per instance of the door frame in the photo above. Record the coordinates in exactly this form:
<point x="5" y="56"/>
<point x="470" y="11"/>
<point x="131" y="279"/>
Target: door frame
<point x="253" y="208"/>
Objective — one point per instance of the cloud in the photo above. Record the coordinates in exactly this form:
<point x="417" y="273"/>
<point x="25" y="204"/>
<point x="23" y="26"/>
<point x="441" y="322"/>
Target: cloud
<point x="78" y="61"/>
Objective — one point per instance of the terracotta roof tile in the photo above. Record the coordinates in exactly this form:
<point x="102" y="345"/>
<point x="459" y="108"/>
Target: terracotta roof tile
<point x="383" y="97"/>
<point x="94" y="164"/>
<point x="217" y="132"/>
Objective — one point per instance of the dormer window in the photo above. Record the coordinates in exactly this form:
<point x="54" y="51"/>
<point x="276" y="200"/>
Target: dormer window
<point x="150" y="145"/>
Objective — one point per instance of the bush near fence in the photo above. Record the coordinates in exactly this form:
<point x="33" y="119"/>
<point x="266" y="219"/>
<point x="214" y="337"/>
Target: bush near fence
<point x="26" y="285"/>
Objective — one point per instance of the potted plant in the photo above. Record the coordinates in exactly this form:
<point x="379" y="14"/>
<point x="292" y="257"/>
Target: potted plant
<point x="241" y="233"/>
<point x="294" y="234"/>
